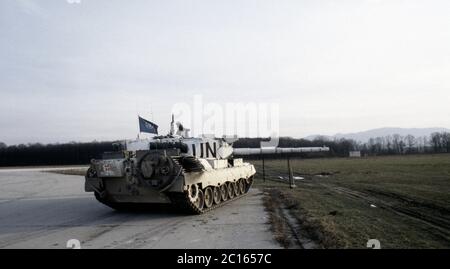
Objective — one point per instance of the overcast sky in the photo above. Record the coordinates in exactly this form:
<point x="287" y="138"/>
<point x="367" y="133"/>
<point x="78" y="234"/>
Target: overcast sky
<point x="79" y="72"/>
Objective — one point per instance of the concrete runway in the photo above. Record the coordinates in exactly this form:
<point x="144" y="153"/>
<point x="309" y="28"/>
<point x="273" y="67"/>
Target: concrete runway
<point x="45" y="210"/>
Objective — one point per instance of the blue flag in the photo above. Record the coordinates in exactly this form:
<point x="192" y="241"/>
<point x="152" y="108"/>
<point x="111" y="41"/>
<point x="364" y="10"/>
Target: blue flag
<point x="146" y="126"/>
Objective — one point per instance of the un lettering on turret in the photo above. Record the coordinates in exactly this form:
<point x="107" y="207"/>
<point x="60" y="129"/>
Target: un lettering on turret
<point x="204" y="150"/>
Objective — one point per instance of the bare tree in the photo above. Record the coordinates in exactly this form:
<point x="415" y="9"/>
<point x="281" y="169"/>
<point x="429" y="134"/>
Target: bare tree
<point x="410" y="142"/>
<point x="379" y="144"/>
<point x="388" y="143"/>
<point x="3" y="145"/>
<point x="426" y="143"/>
<point x="397" y="143"/>
<point x="445" y="141"/>
<point x="436" y="142"/>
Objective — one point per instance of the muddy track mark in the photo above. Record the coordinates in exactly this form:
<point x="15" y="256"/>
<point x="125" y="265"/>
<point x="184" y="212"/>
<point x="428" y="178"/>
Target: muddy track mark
<point x="285" y="227"/>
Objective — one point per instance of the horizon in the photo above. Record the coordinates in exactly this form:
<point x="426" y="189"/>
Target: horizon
<point x="83" y="70"/>
<point x="307" y="137"/>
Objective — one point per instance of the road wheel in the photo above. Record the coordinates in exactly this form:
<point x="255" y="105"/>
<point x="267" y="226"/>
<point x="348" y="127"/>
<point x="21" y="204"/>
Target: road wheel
<point x="193" y="191"/>
<point x="224" y="192"/>
<point x="230" y="187"/>
<point x="200" y="201"/>
<point x="236" y="189"/>
<point x="217" y="195"/>
<point x="241" y="185"/>
<point x="208" y="197"/>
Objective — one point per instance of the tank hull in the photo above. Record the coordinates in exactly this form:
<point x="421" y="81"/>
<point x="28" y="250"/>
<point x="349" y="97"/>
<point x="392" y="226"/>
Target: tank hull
<point x="191" y="191"/>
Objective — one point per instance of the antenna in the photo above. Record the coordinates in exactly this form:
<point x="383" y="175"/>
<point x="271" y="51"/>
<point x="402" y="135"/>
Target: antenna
<point x="139" y="126"/>
<point x="172" y="127"/>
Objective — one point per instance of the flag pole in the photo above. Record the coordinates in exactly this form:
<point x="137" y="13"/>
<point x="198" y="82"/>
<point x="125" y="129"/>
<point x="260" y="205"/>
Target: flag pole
<point x="139" y="128"/>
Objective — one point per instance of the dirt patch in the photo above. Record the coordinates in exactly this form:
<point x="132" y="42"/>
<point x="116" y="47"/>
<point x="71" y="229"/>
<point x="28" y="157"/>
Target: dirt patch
<point x="278" y="223"/>
<point x="286" y="227"/>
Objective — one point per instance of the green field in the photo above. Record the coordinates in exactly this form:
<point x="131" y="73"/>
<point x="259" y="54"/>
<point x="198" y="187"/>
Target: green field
<point x="403" y="201"/>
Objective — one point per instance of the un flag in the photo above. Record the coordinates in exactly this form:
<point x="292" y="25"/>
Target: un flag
<point x="146" y="126"/>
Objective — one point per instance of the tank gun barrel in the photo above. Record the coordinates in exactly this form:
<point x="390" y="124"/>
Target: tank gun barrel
<point x="277" y="150"/>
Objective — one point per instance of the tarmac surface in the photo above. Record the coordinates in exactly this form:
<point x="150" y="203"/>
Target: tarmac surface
<point x="44" y="210"/>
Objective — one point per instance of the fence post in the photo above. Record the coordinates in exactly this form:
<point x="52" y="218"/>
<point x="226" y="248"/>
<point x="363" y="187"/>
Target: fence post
<point x="291" y="177"/>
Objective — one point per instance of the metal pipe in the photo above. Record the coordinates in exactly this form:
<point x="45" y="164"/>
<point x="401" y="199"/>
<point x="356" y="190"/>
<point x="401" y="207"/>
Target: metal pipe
<point x="277" y="150"/>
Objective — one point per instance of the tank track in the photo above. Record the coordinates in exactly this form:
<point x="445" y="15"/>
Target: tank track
<point x="182" y="200"/>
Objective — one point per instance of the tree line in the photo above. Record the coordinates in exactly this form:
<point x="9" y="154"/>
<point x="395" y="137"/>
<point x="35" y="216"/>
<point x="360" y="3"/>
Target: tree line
<point x="409" y="144"/>
<point x="52" y="154"/>
<point x="81" y="153"/>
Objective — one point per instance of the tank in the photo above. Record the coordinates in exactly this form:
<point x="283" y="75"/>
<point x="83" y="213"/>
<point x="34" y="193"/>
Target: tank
<point x="195" y="174"/>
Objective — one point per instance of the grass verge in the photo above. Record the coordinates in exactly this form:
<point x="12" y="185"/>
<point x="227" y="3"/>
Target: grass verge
<point x="342" y="203"/>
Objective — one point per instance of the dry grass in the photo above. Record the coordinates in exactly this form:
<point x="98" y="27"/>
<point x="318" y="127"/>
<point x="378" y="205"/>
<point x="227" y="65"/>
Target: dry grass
<point x="411" y="195"/>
